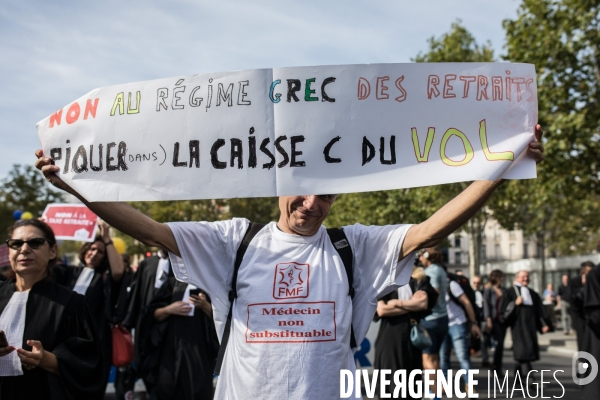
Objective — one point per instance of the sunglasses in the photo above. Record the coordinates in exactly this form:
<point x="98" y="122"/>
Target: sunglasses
<point x="34" y="243"/>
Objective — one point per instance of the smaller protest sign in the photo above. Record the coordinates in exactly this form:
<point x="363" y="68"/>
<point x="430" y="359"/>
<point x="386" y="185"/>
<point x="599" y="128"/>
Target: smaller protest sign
<point x="71" y="221"/>
<point x="4" y="260"/>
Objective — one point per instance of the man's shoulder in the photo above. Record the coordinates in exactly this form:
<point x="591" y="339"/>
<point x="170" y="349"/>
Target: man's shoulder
<point x="361" y="226"/>
<point x="233" y="223"/>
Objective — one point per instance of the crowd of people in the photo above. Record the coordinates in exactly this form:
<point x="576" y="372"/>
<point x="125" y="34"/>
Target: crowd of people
<point x="58" y="322"/>
<point x="478" y="322"/>
<point x="245" y="286"/>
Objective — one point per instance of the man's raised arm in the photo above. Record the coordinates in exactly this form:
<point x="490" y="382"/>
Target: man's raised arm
<point x="119" y="215"/>
<point x="458" y="210"/>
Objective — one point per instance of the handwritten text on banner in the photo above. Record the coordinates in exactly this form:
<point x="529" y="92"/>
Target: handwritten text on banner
<point x="292" y="131"/>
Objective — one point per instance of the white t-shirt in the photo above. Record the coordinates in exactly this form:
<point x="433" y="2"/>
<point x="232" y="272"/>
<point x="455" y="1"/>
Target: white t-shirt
<point x="405" y="292"/>
<point x="456" y="314"/>
<point x="290" y="332"/>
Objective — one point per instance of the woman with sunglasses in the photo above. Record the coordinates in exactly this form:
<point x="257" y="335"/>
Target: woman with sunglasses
<point x="97" y="278"/>
<point x="51" y="349"/>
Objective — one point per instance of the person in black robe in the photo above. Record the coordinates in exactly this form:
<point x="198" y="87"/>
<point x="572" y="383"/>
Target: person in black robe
<point x="521" y="308"/>
<point x="125" y="376"/>
<point x="393" y="348"/>
<point x="180" y="355"/>
<point x="492" y="296"/>
<point x="102" y="291"/>
<point x="591" y="333"/>
<point x="577" y="296"/>
<point x="125" y="290"/>
<point x="59" y="349"/>
<point x="144" y="287"/>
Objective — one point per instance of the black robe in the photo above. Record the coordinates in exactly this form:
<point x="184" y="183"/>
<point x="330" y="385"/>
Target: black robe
<point x="187" y="348"/>
<point x="576" y="308"/>
<point x="524" y="321"/>
<point x="141" y="294"/>
<point x="61" y="320"/>
<point x="591" y="333"/>
<point x="101" y="296"/>
<point x="123" y="299"/>
<point x="393" y="348"/>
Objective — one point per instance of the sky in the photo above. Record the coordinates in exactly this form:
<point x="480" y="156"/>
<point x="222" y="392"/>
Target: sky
<point x="53" y="52"/>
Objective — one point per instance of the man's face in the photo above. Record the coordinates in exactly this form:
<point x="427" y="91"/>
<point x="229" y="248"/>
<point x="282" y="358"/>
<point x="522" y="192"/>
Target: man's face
<point x="476" y="283"/>
<point x="303" y="215"/>
<point x="523" y="278"/>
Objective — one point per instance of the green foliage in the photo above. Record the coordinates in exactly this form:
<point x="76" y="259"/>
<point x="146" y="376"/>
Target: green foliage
<point x="24" y="189"/>
<point x="262" y="209"/>
<point x="388" y="207"/>
<point x="416" y="205"/>
<point x="564" y="219"/>
<point x="561" y="37"/>
<point x="255" y="209"/>
<point x="458" y="45"/>
<point x="561" y="206"/>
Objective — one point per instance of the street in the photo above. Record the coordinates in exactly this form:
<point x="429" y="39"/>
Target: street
<point x="555" y="367"/>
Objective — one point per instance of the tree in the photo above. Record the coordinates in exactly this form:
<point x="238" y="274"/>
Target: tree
<point x="561" y="38"/>
<point x="416" y="205"/>
<point x="560" y="207"/>
<point x="255" y="209"/>
<point x="459" y="45"/>
<point x="24" y="189"/>
<point x="383" y="207"/>
<point x="263" y="210"/>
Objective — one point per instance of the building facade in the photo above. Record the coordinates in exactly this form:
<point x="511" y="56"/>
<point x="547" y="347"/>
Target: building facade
<point x="511" y="251"/>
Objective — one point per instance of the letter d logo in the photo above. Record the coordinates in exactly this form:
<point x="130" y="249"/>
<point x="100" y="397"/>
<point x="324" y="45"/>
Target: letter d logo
<point x="580" y="367"/>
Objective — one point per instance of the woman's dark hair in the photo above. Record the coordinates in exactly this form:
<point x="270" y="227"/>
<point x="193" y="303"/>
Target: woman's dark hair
<point x="47" y="233"/>
<point x="495" y="277"/>
<point x="434" y="255"/>
<point x="84" y="249"/>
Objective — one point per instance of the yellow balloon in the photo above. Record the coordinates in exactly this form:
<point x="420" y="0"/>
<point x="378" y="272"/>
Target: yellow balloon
<point x="119" y="245"/>
<point x="27" y="215"/>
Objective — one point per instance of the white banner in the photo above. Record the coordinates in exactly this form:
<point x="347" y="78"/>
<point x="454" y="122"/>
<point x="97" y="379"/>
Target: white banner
<point x="294" y="131"/>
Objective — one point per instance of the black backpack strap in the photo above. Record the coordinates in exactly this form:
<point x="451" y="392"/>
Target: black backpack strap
<point x="253" y="229"/>
<point x="340" y="242"/>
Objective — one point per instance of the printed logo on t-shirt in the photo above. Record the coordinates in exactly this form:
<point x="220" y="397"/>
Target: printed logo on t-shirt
<point x="291" y="280"/>
<point x="291" y="322"/>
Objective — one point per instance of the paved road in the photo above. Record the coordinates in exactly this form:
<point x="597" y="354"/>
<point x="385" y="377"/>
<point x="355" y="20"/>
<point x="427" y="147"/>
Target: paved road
<point x="553" y="364"/>
<point x="556" y="366"/>
<point x="553" y="361"/>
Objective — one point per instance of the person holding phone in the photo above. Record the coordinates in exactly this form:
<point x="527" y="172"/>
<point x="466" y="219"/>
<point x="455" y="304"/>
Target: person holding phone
<point x="51" y="348"/>
<point x="180" y="346"/>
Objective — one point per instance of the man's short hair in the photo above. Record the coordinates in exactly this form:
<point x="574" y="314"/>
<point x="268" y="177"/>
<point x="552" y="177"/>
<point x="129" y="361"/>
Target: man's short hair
<point x="586" y="264"/>
<point x="519" y="272"/>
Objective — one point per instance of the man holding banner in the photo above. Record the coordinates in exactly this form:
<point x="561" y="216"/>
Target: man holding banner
<point x="297" y="133"/>
<point x="292" y="315"/>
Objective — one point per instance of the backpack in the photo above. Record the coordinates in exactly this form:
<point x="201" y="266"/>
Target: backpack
<point x="339" y="241"/>
<point x="465" y="285"/>
<point x="432" y="296"/>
